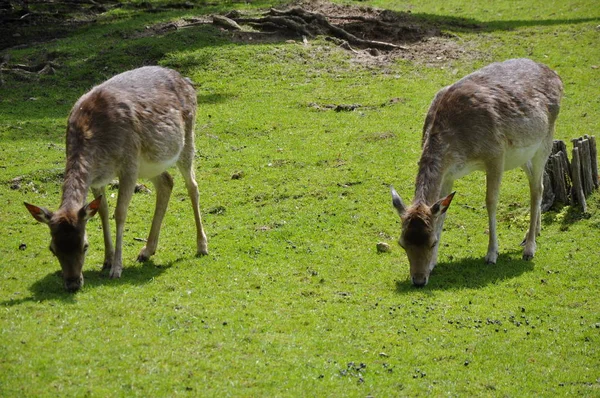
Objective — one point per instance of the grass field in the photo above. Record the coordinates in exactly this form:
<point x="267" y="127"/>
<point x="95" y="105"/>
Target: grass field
<point x="294" y="299"/>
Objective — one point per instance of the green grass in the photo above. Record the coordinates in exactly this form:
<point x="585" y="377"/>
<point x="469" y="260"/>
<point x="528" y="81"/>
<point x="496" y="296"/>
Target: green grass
<point x="293" y="299"/>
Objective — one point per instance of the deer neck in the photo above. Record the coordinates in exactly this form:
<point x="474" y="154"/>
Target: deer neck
<point x="429" y="178"/>
<point x="77" y="173"/>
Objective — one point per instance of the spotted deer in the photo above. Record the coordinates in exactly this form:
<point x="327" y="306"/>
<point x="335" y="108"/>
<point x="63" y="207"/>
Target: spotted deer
<point x="495" y="119"/>
<point x="135" y="125"/>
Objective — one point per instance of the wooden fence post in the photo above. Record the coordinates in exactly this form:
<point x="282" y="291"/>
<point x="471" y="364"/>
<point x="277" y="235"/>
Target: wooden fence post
<point x="582" y="172"/>
<point x="594" y="156"/>
<point x="560" y="146"/>
<point x="586" y="166"/>
<point x="577" y="185"/>
<point x="559" y="178"/>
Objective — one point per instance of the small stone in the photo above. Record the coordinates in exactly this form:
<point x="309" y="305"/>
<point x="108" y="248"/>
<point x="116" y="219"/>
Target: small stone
<point x="383" y="247"/>
<point x="15" y="183"/>
<point x="238" y="175"/>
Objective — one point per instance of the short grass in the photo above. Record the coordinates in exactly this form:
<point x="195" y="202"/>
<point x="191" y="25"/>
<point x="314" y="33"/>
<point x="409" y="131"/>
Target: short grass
<point x="294" y="300"/>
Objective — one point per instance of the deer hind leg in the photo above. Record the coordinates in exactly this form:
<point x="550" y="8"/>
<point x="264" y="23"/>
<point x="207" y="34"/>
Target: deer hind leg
<point x="163" y="184"/>
<point x="109" y="249"/>
<point x="493" y="180"/>
<point x="185" y="165"/>
<point x="126" y="188"/>
<point x="535" y="174"/>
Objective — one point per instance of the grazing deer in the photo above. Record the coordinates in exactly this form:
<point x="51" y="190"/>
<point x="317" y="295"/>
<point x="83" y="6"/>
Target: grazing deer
<point x="135" y="125"/>
<point x="495" y="119"/>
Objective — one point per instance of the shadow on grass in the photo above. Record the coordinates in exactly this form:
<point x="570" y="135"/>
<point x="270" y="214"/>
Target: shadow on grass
<point x="572" y="215"/>
<point x="461" y="24"/>
<point x="51" y="287"/>
<point x="145" y="38"/>
<point x="211" y="99"/>
<point x="472" y="273"/>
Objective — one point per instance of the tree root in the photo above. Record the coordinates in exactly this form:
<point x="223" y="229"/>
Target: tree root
<point x="27" y="72"/>
<point x="310" y="24"/>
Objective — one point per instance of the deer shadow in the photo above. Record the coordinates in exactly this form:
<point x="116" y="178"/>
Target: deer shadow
<point x="50" y="287"/>
<point x="471" y="273"/>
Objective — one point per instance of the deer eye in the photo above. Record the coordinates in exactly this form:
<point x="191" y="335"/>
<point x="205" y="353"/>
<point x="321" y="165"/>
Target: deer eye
<point x="85" y="247"/>
<point x="434" y="243"/>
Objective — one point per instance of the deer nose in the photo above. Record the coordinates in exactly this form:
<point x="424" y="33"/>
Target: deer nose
<point x="419" y="281"/>
<point x="73" y="284"/>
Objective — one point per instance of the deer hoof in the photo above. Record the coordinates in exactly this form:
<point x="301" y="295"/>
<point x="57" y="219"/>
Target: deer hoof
<point x="529" y="251"/>
<point x="202" y="253"/>
<point x="144" y="255"/>
<point x="491" y="258"/>
<point x="527" y="256"/>
<point x="106" y="266"/>
<point x="115" y="273"/>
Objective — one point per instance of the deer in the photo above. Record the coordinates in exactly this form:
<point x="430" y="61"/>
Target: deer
<point x="495" y="119"/>
<point x="135" y="125"/>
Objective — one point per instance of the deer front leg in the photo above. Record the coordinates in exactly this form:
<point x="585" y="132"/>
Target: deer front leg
<point x="163" y="184"/>
<point x="126" y="188"/>
<point x="438" y="235"/>
<point x="493" y="180"/>
<point x="109" y="249"/>
<point x="444" y="192"/>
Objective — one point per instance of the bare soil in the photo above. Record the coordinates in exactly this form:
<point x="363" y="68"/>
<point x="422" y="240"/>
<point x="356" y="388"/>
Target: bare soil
<point x="25" y="22"/>
<point x="374" y="36"/>
<point x="411" y="37"/>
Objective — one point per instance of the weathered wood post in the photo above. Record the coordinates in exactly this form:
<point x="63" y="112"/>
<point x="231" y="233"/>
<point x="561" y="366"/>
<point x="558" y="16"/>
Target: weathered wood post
<point x="559" y="180"/>
<point x="594" y="156"/>
<point x="557" y="177"/>
<point x="559" y="146"/>
<point x="577" y="184"/>
<point x="586" y="166"/>
<point x="582" y="172"/>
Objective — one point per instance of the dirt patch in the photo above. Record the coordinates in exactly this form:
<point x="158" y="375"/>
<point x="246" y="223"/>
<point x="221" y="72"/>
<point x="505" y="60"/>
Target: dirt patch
<point x="27" y="22"/>
<point x="399" y="28"/>
<point x="33" y="21"/>
<point x="374" y="36"/>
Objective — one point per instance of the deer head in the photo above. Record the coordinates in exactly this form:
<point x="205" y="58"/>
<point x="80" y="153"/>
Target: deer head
<point x="68" y="238"/>
<point x="421" y="226"/>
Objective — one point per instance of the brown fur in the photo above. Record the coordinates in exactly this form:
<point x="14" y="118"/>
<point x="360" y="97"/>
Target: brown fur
<point x="134" y="125"/>
<point x="416" y="226"/>
<point x="494" y="119"/>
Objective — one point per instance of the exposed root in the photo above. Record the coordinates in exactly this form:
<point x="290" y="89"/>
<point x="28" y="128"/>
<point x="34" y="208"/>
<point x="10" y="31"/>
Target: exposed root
<point x="299" y="21"/>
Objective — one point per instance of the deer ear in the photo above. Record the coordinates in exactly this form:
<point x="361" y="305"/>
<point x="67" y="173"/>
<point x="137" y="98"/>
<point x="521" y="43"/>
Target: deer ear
<point x="442" y="205"/>
<point x="397" y="202"/>
<point x="88" y="211"/>
<point x="39" y="213"/>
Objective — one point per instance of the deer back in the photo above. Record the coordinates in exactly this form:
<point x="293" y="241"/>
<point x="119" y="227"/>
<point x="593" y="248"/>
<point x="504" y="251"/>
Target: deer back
<point x="137" y="118"/>
<point x="505" y="105"/>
